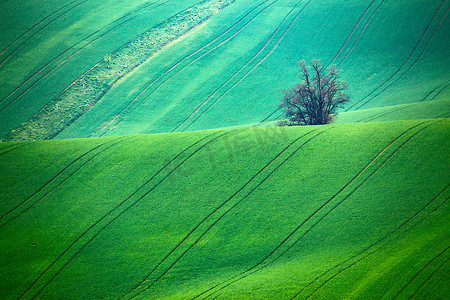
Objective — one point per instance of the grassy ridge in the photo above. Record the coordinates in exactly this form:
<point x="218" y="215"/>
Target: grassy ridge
<point x="229" y="71"/>
<point x="145" y="215"/>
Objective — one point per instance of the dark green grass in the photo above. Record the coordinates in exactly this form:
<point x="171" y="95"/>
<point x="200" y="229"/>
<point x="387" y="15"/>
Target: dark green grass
<point x="230" y="70"/>
<point x="355" y="210"/>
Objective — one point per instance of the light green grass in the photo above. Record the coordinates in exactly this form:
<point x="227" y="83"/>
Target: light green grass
<point x="349" y="210"/>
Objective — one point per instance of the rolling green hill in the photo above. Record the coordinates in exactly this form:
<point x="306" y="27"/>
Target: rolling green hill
<point x="346" y="210"/>
<point x="85" y="68"/>
<point x="139" y="156"/>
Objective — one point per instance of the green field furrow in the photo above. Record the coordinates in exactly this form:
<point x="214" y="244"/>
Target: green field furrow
<point x="394" y="78"/>
<point x="95" y="229"/>
<point x="289" y="245"/>
<point x="145" y="151"/>
<point x="180" y="65"/>
<point x="227" y="206"/>
<point x="159" y="235"/>
<point x="378" y="245"/>
<point x="63" y="57"/>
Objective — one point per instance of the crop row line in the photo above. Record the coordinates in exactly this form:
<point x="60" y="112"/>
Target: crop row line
<point x="404" y="63"/>
<point x="429" y="277"/>
<point x="259" y="184"/>
<point x="341" y="49"/>
<point x="56" y="186"/>
<point x="351" y="33"/>
<point x="361" y="33"/>
<point x="382" y="114"/>
<point x="34" y="26"/>
<point x="444" y="87"/>
<point x="379" y="241"/>
<point x="119" y="213"/>
<point x="132" y="108"/>
<point x="105" y="74"/>
<point x="420" y="271"/>
<point x="8" y="149"/>
<point x="260" y="265"/>
<point x="247" y="63"/>
<point x="42" y="28"/>
<point x="73" y="47"/>
<point x="52" y="179"/>
<point x="220" y="216"/>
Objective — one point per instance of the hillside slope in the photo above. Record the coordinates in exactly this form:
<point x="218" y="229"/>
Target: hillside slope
<point x="64" y="72"/>
<point x="355" y="210"/>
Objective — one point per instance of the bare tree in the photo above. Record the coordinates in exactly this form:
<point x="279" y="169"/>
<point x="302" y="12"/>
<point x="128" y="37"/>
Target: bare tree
<point x="315" y="101"/>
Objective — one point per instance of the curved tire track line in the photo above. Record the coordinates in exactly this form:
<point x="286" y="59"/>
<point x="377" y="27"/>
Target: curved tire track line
<point x="112" y="210"/>
<point x="35" y="25"/>
<point x="51" y="180"/>
<point x="9" y="150"/>
<point x="239" y="71"/>
<point x="52" y="189"/>
<point x="122" y="212"/>
<point x="214" y="211"/>
<point x="376" y="116"/>
<point x="254" y="67"/>
<point x="45" y="26"/>
<point x="374" y="244"/>
<point x="340" y="50"/>
<point x="259" y="265"/>
<point x="407" y="59"/>
<point x="244" y="197"/>
<point x="147" y="5"/>
<point x="429" y="277"/>
<point x="184" y="67"/>
<point x="420" y="271"/>
<point x="361" y="33"/>
<point x="410" y="67"/>
<point x="248" y="194"/>
<point x="443" y="89"/>
<point x="351" y="33"/>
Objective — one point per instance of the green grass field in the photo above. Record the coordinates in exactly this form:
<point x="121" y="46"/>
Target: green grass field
<point x="391" y="52"/>
<point x="140" y="157"/>
<point x="149" y="216"/>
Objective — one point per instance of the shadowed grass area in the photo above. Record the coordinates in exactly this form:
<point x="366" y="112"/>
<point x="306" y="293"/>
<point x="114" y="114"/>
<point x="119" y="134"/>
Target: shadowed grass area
<point x="350" y="210"/>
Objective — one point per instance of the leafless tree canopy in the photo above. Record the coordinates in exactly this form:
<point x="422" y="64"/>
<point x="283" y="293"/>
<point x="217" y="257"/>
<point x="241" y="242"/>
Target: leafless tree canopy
<point x="315" y="101"/>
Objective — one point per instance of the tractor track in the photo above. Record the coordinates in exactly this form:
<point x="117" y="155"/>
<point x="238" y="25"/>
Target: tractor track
<point x="420" y="271"/>
<point x="429" y="277"/>
<point x="409" y="68"/>
<point x="376" y="116"/>
<point x="42" y="28"/>
<point x="73" y="47"/>
<point x="378" y="242"/>
<point x="9" y="150"/>
<point x="59" y="184"/>
<point x="39" y="30"/>
<point x="52" y="179"/>
<point x="245" y="65"/>
<point x="351" y="33"/>
<point x="173" y="67"/>
<point x="441" y="90"/>
<point x="215" y="211"/>
<point x="258" y="266"/>
<point x="340" y="50"/>
<point x="34" y="26"/>
<point x="404" y="63"/>
<point x="361" y="33"/>
<point x="120" y="213"/>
